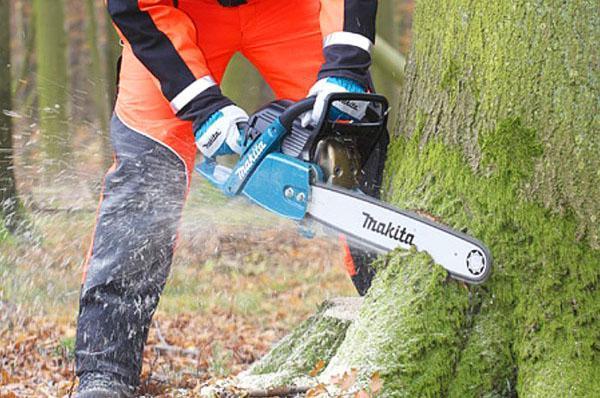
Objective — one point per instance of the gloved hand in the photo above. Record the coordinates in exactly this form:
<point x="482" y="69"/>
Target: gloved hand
<point x="330" y="85"/>
<point x="220" y="134"/>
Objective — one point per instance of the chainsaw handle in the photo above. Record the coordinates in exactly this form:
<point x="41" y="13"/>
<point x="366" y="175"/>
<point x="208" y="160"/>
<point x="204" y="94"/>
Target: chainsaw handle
<point x="294" y="111"/>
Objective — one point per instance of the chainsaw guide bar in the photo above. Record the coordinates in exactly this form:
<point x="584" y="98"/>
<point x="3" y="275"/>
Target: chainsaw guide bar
<point x="383" y="228"/>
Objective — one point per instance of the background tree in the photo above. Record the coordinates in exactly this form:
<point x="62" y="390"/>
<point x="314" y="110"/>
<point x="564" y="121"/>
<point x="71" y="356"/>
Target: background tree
<point x="497" y="135"/>
<point x="52" y="77"/>
<point x="97" y="79"/>
<point x="112" y="52"/>
<point x="244" y="85"/>
<point x="8" y="189"/>
<point x="387" y="29"/>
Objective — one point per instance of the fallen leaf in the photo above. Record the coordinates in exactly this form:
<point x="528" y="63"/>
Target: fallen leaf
<point x="318" y="367"/>
<point x="4" y="377"/>
<point x="362" y="394"/>
<point x="316" y="391"/>
<point x="348" y="380"/>
<point x="376" y="383"/>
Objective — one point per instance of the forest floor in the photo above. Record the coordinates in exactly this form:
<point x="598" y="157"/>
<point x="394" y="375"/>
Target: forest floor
<point x="241" y="280"/>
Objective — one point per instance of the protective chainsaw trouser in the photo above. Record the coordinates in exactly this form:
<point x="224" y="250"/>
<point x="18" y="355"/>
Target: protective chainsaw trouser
<point x="131" y="254"/>
<point x="144" y="192"/>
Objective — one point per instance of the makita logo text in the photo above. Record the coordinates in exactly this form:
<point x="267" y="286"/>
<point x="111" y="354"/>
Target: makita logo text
<point x="254" y="154"/>
<point x="211" y="140"/>
<point x="396" y="232"/>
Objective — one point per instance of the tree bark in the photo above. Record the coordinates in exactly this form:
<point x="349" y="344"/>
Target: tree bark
<point x="8" y="188"/>
<point x="497" y="136"/>
<point x="387" y="29"/>
<point x="52" y="78"/>
<point x="244" y="85"/>
<point x="98" y="87"/>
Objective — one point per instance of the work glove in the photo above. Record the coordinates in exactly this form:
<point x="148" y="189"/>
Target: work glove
<point x="329" y="85"/>
<point x="220" y="134"/>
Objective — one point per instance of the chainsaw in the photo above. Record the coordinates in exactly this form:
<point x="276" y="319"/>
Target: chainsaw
<point x="314" y="175"/>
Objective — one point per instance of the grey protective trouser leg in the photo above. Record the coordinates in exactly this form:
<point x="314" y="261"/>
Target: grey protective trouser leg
<point x="131" y="254"/>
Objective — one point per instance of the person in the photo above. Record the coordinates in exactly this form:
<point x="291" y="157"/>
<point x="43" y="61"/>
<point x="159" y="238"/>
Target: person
<point x="169" y="104"/>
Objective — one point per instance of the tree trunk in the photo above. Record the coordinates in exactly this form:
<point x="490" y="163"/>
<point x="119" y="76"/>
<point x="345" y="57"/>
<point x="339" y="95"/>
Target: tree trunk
<point x="98" y="88"/>
<point x="386" y="29"/>
<point x="244" y="85"/>
<point x="498" y="133"/>
<point x="51" y="57"/>
<point x="8" y="189"/>
<point x="112" y="52"/>
<point x="497" y="136"/>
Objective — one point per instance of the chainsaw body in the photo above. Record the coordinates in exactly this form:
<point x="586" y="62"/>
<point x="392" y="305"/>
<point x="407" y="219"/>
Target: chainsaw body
<point x="281" y="159"/>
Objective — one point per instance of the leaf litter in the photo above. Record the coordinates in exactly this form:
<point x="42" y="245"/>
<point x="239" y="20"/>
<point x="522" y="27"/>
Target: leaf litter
<point x="230" y="297"/>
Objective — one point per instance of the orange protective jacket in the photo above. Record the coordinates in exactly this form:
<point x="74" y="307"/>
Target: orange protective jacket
<point x="163" y="37"/>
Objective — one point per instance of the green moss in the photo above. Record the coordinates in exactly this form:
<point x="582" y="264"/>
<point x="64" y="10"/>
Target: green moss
<point x="296" y="355"/>
<point x="559" y="374"/>
<point x="478" y="67"/>
<point x="510" y="151"/>
<point x="409" y="328"/>
<point x="486" y="368"/>
<point x="543" y="289"/>
<point x="450" y="76"/>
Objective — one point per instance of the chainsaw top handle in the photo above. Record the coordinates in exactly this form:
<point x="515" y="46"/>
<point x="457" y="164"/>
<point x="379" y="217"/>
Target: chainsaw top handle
<point x="294" y="111"/>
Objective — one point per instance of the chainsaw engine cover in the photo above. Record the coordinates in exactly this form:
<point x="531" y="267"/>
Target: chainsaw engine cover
<point x="339" y="146"/>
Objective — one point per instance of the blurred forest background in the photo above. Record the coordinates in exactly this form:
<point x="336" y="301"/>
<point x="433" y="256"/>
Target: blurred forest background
<point x="59" y="62"/>
<point x="57" y="84"/>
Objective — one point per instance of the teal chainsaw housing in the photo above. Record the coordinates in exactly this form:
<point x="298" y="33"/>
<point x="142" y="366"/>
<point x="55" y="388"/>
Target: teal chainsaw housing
<point x="277" y="182"/>
<point x="281" y="184"/>
<point x="276" y="168"/>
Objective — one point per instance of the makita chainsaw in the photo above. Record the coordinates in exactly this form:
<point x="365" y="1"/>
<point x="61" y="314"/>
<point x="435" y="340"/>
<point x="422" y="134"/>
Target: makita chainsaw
<point x="314" y="174"/>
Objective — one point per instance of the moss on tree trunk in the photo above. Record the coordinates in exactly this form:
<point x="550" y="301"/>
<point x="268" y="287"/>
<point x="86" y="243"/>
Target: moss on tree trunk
<point x="289" y="363"/>
<point x="497" y="135"/>
<point x="409" y="329"/>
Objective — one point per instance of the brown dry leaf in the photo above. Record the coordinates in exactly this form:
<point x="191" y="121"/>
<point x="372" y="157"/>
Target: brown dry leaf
<point x="4" y="377"/>
<point x="318" y="367"/>
<point x="376" y="383"/>
<point x="362" y="394"/>
<point x="316" y="391"/>
<point x="348" y="380"/>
